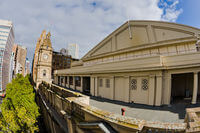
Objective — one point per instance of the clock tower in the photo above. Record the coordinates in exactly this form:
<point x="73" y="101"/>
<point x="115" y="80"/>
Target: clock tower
<point x="44" y="61"/>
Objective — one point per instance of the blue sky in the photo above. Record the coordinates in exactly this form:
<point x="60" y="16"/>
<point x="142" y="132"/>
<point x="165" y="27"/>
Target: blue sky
<point x="87" y="22"/>
<point x="191" y="13"/>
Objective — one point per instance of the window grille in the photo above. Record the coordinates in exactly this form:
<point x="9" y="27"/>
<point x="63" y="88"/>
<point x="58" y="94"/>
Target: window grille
<point x="107" y="83"/>
<point x="145" y="84"/>
<point x="100" y="82"/>
<point x="133" y="84"/>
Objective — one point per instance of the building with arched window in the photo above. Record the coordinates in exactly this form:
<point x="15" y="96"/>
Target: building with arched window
<point x="42" y="62"/>
<point x="145" y="62"/>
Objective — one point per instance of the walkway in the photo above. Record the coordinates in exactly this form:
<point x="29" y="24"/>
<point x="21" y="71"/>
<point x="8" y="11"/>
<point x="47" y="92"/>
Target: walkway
<point x="175" y="113"/>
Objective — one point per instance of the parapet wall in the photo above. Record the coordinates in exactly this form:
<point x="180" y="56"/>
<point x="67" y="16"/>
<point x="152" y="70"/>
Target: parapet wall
<point x="74" y="108"/>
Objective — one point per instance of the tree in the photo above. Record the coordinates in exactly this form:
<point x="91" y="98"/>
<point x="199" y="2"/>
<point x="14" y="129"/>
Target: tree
<point x="19" y="110"/>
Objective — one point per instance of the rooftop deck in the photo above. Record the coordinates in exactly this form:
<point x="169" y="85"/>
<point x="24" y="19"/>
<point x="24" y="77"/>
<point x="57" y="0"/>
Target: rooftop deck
<point x="173" y="114"/>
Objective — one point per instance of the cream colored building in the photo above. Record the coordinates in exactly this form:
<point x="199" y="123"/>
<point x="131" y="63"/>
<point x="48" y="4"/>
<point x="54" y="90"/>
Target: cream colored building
<point x="20" y="53"/>
<point x="42" y="62"/>
<point x="146" y="62"/>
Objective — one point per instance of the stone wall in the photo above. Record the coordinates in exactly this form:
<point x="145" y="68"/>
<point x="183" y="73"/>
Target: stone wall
<point x="68" y="111"/>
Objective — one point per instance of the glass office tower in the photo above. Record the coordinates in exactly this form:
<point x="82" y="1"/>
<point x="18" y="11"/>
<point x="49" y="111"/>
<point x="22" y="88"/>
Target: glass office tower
<point x="6" y="43"/>
<point x="73" y="50"/>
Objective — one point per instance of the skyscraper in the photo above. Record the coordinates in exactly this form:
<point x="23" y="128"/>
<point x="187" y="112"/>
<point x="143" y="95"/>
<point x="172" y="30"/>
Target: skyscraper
<point x="12" y="66"/>
<point x="20" y="53"/>
<point x="73" y="50"/>
<point x="6" y="43"/>
<point x="27" y="67"/>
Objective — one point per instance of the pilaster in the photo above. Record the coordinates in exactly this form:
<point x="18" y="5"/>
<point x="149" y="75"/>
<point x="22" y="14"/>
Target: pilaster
<point x="64" y="81"/>
<point x="92" y="85"/>
<point x="56" y="79"/>
<point x="96" y="86"/>
<point x="126" y="88"/>
<point x="158" y="90"/>
<point x="168" y="89"/>
<point x="112" y="87"/>
<point x="81" y="88"/>
<point x="74" y="86"/>
<point x="68" y="82"/>
<point x="195" y="88"/>
<point x="151" y="89"/>
<point x="150" y="34"/>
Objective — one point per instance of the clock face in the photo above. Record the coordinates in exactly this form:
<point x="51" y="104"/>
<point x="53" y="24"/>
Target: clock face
<point x="45" y="56"/>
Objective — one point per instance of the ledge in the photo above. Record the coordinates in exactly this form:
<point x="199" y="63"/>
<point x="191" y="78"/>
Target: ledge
<point x="80" y="107"/>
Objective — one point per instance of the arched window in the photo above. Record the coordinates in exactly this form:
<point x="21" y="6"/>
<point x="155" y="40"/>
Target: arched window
<point x="44" y="73"/>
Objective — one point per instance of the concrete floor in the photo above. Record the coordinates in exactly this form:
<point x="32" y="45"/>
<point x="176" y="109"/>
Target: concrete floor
<point x="175" y="113"/>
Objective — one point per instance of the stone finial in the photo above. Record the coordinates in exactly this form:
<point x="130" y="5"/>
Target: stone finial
<point x="43" y="33"/>
<point x="198" y="39"/>
<point x="48" y="35"/>
<point x="47" y="40"/>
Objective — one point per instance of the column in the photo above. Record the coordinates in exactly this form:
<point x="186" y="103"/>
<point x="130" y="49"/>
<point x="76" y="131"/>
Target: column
<point x="92" y="85"/>
<point x="56" y="79"/>
<point x="168" y="87"/>
<point x="64" y="81"/>
<point x="112" y="87"/>
<point x="81" y="88"/>
<point x="126" y="88"/>
<point x="158" y="90"/>
<point x="195" y="88"/>
<point x="74" y="86"/>
<point x="68" y="81"/>
<point x="151" y="89"/>
<point x="96" y="86"/>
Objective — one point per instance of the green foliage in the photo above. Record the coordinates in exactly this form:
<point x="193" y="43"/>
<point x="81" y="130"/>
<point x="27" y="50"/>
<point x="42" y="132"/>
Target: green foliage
<point x="19" y="110"/>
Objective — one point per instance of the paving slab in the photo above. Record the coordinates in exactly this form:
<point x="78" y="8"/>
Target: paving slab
<point x="173" y="114"/>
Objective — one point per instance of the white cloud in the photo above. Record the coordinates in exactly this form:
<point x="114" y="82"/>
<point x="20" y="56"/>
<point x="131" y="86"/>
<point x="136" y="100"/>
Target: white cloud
<point x="171" y="12"/>
<point x="85" y="22"/>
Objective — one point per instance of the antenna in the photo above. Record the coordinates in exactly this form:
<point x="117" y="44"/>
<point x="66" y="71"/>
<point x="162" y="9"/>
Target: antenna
<point x="129" y="29"/>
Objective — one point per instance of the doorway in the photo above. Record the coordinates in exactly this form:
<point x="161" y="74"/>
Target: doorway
<point x="182" y="87"/>
<point x="86" y="85"/>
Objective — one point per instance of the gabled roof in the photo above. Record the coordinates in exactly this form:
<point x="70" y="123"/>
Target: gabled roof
<point x="134" y="34"/>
